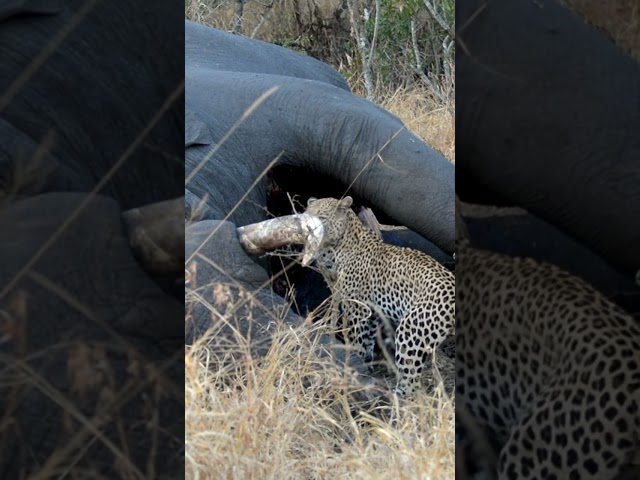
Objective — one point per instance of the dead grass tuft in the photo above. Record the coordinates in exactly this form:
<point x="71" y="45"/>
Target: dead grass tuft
<point x="430" y="121"/>
<point x="287" y="416"/>
<point x="619" y="19"/>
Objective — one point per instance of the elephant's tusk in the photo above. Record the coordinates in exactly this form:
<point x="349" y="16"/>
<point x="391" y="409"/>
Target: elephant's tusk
<point x="298" y="229"/>
<point x="156" y="235"/>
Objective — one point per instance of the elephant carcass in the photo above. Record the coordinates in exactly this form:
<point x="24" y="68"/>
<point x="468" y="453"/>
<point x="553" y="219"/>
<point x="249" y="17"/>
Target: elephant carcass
<point x="88" y="345"/>
<point x="234" y="53"/>
<point x="305" y="119"/>
<point x="319" y="128"/>
<point x="91" y="346"/>
<point x="104" y="103"/>
<point x="548" y="119"/>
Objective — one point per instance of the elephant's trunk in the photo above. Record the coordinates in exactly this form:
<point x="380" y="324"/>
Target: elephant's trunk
<point x="156" y="235"/>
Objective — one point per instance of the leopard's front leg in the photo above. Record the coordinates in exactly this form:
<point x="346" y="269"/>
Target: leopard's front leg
<point x="360" y="327"/>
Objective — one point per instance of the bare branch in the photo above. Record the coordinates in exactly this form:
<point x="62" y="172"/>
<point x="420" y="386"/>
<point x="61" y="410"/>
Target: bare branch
<point x="439" y="18"/>
<point x="367" y="68"/>
<point x="238" y="13"/>
<point x="419" y="69"/>
<point x="266" y="11"/>
<point x="376" y="24"/>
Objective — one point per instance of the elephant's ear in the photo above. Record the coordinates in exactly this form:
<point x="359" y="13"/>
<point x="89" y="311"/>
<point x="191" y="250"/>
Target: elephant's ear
<point x="311" y="201"/>
<point x="346" y="202"/>
<point x="11" y="8"/>
<point x="196" y="132"/>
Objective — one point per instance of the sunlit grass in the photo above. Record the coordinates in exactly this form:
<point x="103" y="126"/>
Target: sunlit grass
<point x="288" y="416"/>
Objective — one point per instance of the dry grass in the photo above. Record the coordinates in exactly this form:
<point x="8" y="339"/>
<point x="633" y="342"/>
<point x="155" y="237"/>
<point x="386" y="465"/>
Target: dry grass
<point x="288" y="417"/>
<point x="431" y="122"/>
<point x="619" y="19"/>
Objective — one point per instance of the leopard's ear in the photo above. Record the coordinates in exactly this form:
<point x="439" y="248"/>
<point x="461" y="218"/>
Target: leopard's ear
<point x="346" y="202"/>
<point x="311" y="201"/>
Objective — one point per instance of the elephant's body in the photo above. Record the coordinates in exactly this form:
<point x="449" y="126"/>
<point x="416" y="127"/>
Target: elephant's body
<point x="260" y="139"/>
<point x="217" y="50"/>
<point x="310" y="123"/>
<point x="554" y="130"/>
<point x="91" y="345"/>
<point x="547" y="364"/>
<point x="77" y="97"/>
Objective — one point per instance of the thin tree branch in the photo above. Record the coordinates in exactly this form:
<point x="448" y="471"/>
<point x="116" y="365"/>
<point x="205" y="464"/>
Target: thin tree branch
<point x="266" y="11"/>
<point x="439" y="18"/>
<point x="238" y="13"/>
<point x="375" y="30"/>
<point x="419" y="69"/>
<point x="367" y="69"/>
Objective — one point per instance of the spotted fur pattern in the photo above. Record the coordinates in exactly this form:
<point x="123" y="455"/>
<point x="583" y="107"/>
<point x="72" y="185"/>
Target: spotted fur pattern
<point x="548" y="366"/>
<point x="371" y="278"/>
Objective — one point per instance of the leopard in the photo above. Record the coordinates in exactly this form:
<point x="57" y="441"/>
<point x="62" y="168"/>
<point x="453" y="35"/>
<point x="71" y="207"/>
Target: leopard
<point x="374" y="282"/>
<point x="547" y="370"/>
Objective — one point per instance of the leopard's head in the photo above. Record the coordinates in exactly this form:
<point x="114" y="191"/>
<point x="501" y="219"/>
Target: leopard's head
<point x="334" y="215"/>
